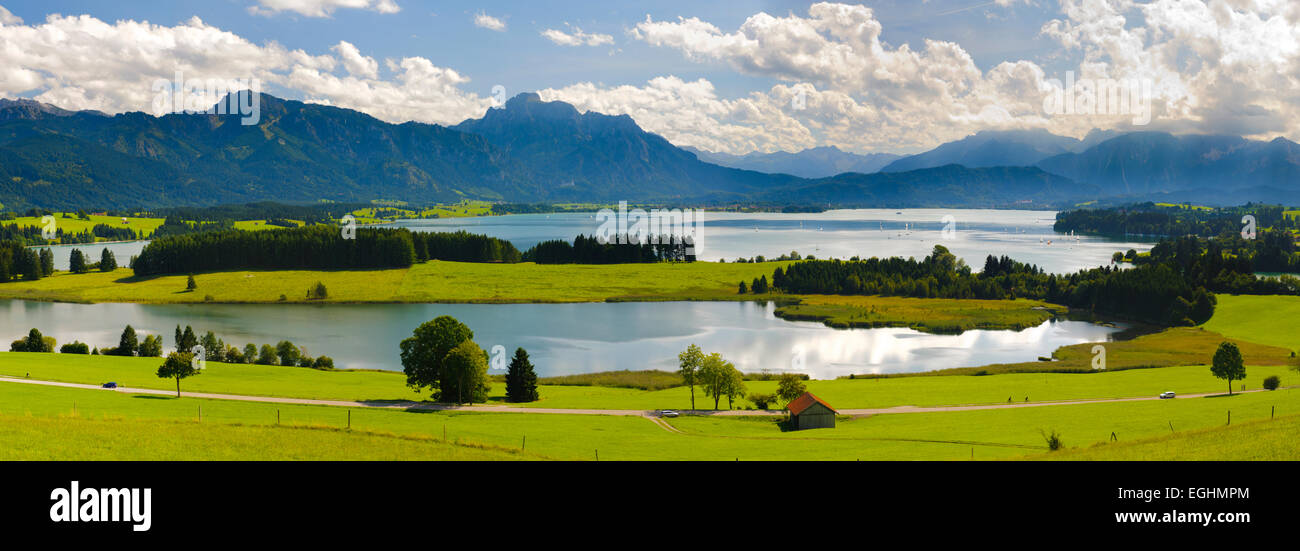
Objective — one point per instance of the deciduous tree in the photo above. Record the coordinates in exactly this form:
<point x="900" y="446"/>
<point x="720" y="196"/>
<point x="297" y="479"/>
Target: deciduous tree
<point x="423" y="352"/>
<point x="178" y="365"/>
<point x="689" y="363"/>
<point x="1228" y="364"/>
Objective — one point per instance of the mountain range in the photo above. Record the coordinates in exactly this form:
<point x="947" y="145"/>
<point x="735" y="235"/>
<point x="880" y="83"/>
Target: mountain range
<point x="989" y="148"/>
<point x="530" y="150"/>
<point x="817" y="162"/>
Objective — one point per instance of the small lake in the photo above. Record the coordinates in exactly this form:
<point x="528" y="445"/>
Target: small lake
<point x="561" y="338"/>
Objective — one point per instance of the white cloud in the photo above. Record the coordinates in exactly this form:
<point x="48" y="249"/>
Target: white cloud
<point x="356" y="64"/>
<point x="7" y="18"/>
<point x="80" y="62"/>
<point x="577" y="38"/>
<point x="321" y="8"/>
<point x="488" y="22"/>
<point x="1214" y="66"/>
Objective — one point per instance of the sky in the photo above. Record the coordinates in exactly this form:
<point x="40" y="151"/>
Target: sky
<point x="737" y="76"/>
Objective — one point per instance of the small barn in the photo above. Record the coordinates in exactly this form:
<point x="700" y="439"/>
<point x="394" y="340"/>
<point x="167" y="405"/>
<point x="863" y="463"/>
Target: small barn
<point x="810" y="412"/>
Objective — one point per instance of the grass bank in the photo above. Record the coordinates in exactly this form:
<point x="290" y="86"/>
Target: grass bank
<point x="1259" y="440"/>
<point x="435" y="281"/>
<point x="1265" y="319"/>
<point x="948" y="316"/>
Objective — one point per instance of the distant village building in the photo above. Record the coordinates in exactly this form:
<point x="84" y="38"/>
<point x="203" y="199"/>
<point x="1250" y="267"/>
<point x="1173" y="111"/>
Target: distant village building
<point x="810" y="412"/>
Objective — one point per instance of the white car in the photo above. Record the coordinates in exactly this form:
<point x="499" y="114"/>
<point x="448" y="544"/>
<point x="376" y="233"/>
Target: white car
<point x="668" y="413"/>
<point x="1167" y="394"/>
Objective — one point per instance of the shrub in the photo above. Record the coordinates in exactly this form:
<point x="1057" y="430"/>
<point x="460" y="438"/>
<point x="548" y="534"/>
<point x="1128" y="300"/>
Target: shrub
<point x="75" y="347"/>
<point x="318" y="292"/>
<point x="762" y="401"/>
<point x="190" y="284"/>
<point x="1053" y="439"/>
<point x="1272" y="382"/>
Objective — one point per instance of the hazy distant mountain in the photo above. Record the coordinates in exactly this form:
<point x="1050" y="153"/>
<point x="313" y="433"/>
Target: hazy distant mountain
<point x="28" y="109"/>
<point x="817" y="162"/>
<point x="946" y="186"/>
<point x="1224" y="169"/>
<point x="989" y="148"/>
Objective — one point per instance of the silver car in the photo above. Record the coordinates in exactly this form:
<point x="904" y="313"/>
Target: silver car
<point x="1167" y="394"/>
<point x="668" y="413"/>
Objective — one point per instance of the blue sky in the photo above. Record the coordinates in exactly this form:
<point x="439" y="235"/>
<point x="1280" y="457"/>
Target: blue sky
<point x="877" y="75"/>
<point x="521" y="59"/>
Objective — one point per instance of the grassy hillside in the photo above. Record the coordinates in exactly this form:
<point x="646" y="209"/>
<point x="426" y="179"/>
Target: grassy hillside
<point x="72" y="224"/>
<point x="1171" y="347"/>
<point x="1261" y="440"/>
<point x="1267" y="319"/>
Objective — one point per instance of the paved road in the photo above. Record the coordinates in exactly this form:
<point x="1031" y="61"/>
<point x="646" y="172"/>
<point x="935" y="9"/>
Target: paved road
<point x="621" y="412"/>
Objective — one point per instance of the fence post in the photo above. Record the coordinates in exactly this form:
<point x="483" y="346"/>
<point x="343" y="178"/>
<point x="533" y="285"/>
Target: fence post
<point x="277" y="416"/>
<point x="1171" y="426"/>
<point x="524" y="445"/>
<point x="200" y="414"/>
<point x="349" y="419"/>
<point x="1229" y="417"/>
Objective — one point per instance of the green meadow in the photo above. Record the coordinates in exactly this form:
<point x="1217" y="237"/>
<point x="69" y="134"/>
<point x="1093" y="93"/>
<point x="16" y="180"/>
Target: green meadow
<point x="435" y="281"/>
<point x="76" y="438"/>
<point x="985" y="434"/>
<point x="938" y="390"/>
<point x="1259" y="440"/>
<point x="1266" y="319"/>
<point x="69" y="223"/>
<point x="934" y="316"/>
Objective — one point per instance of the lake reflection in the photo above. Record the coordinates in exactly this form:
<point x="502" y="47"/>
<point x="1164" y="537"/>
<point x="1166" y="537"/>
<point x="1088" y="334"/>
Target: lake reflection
<point x="561" y="338"/>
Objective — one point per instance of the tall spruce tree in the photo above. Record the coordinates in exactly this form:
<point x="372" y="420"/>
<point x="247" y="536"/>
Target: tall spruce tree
<point x="521" y="380"/>
<point x="128" y="344"/>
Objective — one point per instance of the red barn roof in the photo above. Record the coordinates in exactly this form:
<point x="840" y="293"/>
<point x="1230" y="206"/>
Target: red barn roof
<point x="801" y="403"/>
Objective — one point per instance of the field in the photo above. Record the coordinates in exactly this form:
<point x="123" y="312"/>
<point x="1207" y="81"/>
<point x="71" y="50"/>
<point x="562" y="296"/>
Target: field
<point x="1171" y="347"/>
<point x="933" y="316"/>
<point x="939" y="390"/>
<point x="1262" y="440"/>
<point x="75" y="438"/>
<point x="428" y="282"/>
<point x="1263" y="319"/>
<point x="72" y="224"/>
<point x="461" y="210"/>
<point x="986" y="434"/>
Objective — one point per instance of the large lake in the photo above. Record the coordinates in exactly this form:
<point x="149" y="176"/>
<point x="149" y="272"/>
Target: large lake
<point x="562" y="338"/>
<point x="577" y="338"/>
<point x="1025" y="235"/>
